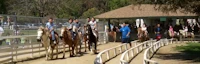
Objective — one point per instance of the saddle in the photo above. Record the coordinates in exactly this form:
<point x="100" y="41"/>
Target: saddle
<point x="55" y="33"/>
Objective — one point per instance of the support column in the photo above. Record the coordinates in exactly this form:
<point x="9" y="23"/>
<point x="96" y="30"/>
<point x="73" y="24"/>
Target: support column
<point x="109" y="28"/>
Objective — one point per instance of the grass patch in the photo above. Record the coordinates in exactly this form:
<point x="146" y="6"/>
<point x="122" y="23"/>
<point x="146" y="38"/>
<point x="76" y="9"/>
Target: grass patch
<point x="190" y="51"/>
<point x="189" y="48"/>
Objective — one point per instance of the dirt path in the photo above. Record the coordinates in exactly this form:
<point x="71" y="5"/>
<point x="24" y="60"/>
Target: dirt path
<point x="116" y="60"/>
<point x="168" y="55"/>
<point x="139" y="58"/>
<point x="87" y="57"/>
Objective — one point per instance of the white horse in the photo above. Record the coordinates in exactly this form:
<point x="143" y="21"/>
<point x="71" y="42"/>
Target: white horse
<point x="43" y="37"/>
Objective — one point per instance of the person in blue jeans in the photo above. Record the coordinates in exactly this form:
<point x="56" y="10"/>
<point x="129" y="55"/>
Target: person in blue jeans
<point x="70" y="27"/>
<point x="125" y="33"/>
<point x="49" y="26"/>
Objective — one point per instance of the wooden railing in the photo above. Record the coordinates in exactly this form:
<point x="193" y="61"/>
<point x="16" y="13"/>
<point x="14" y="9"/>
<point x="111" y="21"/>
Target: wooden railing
<point x="16" y="50"/>
<point x="134" y="51"/>
<point x="148" y="54"/>
<point x="111" y="53"/>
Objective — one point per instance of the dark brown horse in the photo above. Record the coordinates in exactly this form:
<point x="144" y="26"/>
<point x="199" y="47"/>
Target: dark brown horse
<point x="92" y="39"/>
<point x="141" y="35"/>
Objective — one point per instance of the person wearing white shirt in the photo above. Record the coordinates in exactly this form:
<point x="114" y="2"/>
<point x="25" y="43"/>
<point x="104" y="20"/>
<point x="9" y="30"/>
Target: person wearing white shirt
<point x="144" y="29"/>
<point x="1" y="31"/>
<point x="93" y="25"/>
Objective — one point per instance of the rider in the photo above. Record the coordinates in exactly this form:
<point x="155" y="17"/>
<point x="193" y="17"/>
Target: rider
<point x="77" y="24"/>
<point x="171" y="31"/>
<point x="70" y="27"/>
<point x="144" y="29"/>
<point x="93" y="25"/>
<point x="50" y="27"/>
<point x="1" y="31"/>
<point x="158" y="30"/>
<point x="87" y="20"/>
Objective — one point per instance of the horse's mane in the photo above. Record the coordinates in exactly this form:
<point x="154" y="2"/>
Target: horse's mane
<point x="66" y="31"/>
<point x="41" y="28"/>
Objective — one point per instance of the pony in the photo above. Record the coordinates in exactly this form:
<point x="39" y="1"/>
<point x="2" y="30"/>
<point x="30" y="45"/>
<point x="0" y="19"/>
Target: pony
<point x="92" y="39"/>
<point x="141" y="35"/>
<point x="66" y="37"/>
<point x="85" y="36"/>
<point x="43" y="36"/>
<point x="77" y="39"/>
<point x="113" y="33"/>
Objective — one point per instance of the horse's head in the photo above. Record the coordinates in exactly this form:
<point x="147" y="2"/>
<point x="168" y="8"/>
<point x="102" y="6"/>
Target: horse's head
<point x="63" y="29"/>
<point x="40" y="32"/>
<point x="88" y="29"/>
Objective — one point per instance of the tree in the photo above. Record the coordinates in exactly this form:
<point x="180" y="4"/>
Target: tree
<point x="2" y="7"/>
<point x="192" y="6"/>
<point x="90" y="12"/>
<point x="114" y="4"/>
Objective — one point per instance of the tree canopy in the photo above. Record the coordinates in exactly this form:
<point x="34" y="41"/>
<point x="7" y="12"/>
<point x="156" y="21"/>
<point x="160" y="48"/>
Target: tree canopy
<point x="86" y="8"/>
<point x="192" y="6"/>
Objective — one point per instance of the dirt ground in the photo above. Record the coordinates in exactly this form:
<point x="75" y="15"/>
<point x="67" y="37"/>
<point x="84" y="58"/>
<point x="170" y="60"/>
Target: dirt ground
<point x="86" y="58"/>
<point x="168" y="55"/>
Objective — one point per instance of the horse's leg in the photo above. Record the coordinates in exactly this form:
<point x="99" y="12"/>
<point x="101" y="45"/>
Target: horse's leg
<point x="76" y="46"/>
<point x="89" y="45"/>
<point x="64" y="50"/>
<point x="95" y="44"/>
<point x="46" y="52"/>
<point x="52" y="53"/>
<point x="57" y="50"/>
<point x="85" y="46"/>
<point x="70" y="51"/>
<point x="73" y="46"/>
<point x="80" y="42"/>
<point x="49" y="51"/>
<point x="115" y="36"/>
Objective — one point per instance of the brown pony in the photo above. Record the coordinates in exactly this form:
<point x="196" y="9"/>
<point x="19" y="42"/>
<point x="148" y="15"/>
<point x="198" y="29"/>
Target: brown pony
<point x="67" y="40"/>
<point x="85" y="37"/>
<point x="113" y="34"/>
<point x="141" y="35"/>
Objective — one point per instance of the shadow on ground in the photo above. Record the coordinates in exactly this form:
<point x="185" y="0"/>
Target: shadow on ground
<point x="191" y="51"/>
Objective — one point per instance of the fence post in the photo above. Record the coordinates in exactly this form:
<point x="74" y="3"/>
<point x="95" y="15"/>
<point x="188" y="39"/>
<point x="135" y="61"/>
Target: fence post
<point x="104" y="37"/>
<point x="108" y="56"/>
<point x="137" y="50"/>
<point x="39" y="48"/>
<point x="120" y="49"/>
<point x="31" y="47"/>
<point x="115" y="53"/>
<point x="126" y="48"/>
<point x="15" y="47"/>
<point x="11" y="44"/>
<point x="127" y="56"/>
<point x="132" y="53"/>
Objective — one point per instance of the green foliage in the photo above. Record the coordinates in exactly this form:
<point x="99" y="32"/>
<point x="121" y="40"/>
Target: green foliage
<point x="190" y="48"/>
<point x="2" y="6"/>
<point x="91" y="12"/>
<point x="114" y="4"/>
<point x="62" y="8"/>
<point x="173" y="5"/>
